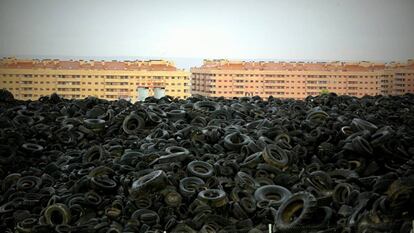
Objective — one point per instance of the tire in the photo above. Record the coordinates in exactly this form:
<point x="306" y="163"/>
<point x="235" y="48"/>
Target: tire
<point x="245" y="181"/>
<point x="206" y="106"/>
<point x="275" y="156"/>
<point x="296" y="213"/>
<point x="275" y="195"/>
<point x="213" y="197"/>
<point x="153" y="181"/>
<point x="132" y="124"/>
<point x="189" y="186"/>
<point x="358" y="124"/>
<point x="57" y="214"/>
<point x="95" y="125"/>
<point x="235" y="141"/>
<point x="200" y="169"/>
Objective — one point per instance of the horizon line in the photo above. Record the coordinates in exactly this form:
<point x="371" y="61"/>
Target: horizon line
<point x="202" y="58"/>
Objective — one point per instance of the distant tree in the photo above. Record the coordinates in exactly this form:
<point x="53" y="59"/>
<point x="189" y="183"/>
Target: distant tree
<point x="324" y="91"/>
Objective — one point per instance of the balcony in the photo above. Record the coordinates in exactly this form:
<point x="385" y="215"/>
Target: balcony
<point x="69" y="92"/>
<point x="26" y="85"/>
<point x="119" y="86"/>
<point x="68" y="85"/>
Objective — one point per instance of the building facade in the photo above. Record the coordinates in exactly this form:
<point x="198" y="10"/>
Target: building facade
<point x="112" y="80"/>
<point x="216" y="78"/>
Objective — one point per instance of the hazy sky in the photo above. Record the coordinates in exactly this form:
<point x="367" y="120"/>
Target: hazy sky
<point x="238" y="29"/>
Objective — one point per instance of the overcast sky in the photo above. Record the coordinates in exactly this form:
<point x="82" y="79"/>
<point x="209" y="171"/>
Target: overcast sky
<point x="239" y="29"/>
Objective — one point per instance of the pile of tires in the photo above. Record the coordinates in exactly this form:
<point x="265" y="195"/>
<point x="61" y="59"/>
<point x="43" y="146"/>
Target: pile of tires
<point x="326" y="164"/>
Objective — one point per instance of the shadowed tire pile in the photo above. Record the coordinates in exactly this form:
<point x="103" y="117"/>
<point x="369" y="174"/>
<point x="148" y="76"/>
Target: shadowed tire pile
<point x="326" y="164"/>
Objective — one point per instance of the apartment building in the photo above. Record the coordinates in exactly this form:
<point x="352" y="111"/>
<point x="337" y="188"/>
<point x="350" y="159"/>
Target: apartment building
<point x="298" y="80"/>
<point x="112" y="80"/>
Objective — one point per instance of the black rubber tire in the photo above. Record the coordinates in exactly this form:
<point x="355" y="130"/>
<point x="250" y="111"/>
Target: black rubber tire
<point x="275" y="156"/>
<point x="133" y="123"/>
<point x="317" y="116"/>
<point x="275" y="195"/>
<point x="94" y="153"/>
<point x="177" y="114"/>
<point x="175" y="154"/>
<point x="252" y="160"/>
<point x="358" y="124"/>
<point x="5" y="95"/>
<point x="245" y="181"/>
<point x="341" y="193"/>
<point x="362" y="146"/>
<point x="235" y="141"/>
<point x="153" y="181"/>
<point x="189" y="186"/>
<point x="296" y="213"/>
<point x="63" y="212"/>
<point x="94" y="124"/>
<point x="206" y="106"/>
<point x="321" y="181"/>
<point x="213" y="197"/>
<point x="31" y="148"/>
<point x="200" y="169"/>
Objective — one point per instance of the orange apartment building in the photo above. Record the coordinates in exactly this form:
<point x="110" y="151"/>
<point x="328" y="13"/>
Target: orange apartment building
<point x="112" y="80"/>
<point x="298" y="80"/>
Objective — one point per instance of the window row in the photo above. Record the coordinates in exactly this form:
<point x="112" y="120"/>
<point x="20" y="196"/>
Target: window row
<point x="94" y="76"/>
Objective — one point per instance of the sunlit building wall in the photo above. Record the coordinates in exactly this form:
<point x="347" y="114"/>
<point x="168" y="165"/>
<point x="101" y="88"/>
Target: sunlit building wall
<point x="404" y="78"/>
<point x="112" y="80"/>
<point x="298" y="80"/>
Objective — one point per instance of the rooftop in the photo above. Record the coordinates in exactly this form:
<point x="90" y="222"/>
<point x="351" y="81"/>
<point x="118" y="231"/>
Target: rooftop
<point x="151" y="65"/>
<point x="362" y="66"/>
